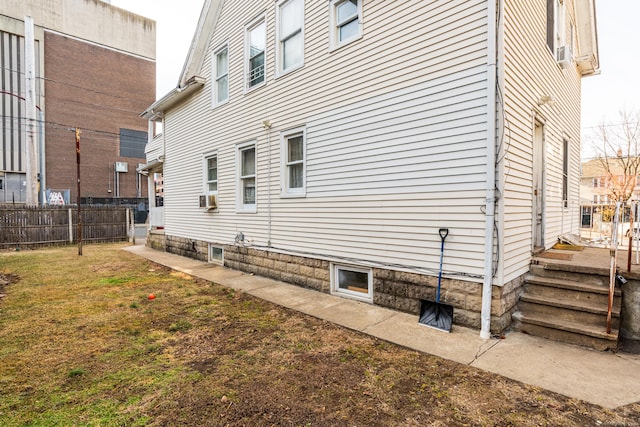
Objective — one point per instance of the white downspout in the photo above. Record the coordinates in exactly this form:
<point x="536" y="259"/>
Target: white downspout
<point x="267" y="125"/>
<point x="485" y="314"/>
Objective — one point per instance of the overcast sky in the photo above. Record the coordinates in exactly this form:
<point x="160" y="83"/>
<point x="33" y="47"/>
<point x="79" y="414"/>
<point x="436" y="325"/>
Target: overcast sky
<point x="176" y="22"/>
<point x="617" y="87"/>
<point x="603" y="96"/>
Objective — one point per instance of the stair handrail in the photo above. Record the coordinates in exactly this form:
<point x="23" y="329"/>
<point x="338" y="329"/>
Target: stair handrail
<point x="613" y="252"/>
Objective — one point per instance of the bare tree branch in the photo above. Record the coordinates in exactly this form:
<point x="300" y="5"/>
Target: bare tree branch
<point x="617" y="149"/>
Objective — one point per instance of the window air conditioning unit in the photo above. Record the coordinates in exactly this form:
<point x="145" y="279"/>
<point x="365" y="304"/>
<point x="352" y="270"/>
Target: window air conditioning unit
<point x="564" y="56"/>
<point x="208" y="201"/>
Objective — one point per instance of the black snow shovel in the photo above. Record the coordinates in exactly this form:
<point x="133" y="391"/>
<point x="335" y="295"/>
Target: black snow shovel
<point x="435" y="314"/>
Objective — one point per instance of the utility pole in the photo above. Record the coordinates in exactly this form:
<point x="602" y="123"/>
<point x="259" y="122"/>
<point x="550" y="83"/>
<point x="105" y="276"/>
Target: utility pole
<point x="79" y="205"/>
<point x="30" y="113"/>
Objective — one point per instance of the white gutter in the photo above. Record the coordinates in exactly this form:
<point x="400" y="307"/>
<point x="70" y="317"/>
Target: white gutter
<point x="485" y="314"/>
<point x="157" y="109"/>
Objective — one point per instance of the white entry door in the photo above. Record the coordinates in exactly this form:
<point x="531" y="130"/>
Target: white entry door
<point x="538" y="187"/>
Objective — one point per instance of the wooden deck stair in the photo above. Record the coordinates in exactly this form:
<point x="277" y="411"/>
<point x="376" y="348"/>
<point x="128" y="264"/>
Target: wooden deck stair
<point x="568" y="306"/>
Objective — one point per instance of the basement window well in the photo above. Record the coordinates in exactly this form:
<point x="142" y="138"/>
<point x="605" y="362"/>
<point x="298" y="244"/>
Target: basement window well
<point x="352" y="282"/>
<point x="216" y="254"/>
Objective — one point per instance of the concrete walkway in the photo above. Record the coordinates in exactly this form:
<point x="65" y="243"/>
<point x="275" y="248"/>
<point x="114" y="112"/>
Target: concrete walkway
<point x="603" y="378"/>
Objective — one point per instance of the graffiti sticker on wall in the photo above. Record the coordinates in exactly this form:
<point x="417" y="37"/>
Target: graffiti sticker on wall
<point x="58" y="197"/>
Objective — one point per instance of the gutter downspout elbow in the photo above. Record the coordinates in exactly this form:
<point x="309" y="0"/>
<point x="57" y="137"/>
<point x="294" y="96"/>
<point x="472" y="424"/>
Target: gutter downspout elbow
<point x="485" y="314"/>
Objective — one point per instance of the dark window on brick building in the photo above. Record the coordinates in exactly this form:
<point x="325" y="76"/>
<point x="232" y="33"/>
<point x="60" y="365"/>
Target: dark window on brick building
<point x="132" y="143"/>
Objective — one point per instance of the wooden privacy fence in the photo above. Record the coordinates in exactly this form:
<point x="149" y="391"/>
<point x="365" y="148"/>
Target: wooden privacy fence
<point x="57" y="225"/>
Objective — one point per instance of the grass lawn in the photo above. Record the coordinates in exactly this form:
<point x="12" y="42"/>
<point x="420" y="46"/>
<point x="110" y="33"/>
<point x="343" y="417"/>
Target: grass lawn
<point x="81" y="344"/>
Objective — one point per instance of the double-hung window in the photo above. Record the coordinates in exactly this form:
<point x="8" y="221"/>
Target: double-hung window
<point x="211" y="166"/>
<point x="247" y="177"/>
<point x="293" y="163"/>
<point x="345" y="20"/>
<point x="255" y="44"/>
<point x="289" y="35"/>
<point x="221" y="76"/>
<point x="555" y="25"/>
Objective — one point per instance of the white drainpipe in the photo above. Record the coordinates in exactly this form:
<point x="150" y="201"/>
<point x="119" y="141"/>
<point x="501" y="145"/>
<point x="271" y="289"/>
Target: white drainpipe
<point x="485" y="314"/>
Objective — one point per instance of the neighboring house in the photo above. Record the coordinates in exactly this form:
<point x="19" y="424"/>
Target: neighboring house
<point x="94" y="70"/>
<point x="325" y="143"/>
<point x="598" y="187"/>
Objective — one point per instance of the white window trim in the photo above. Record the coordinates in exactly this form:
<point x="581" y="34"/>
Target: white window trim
<point x="240" y="206"/>
<point x="205" y="172"/>
<point x="214" y="76"/>
<point x="335" y="289"/>
<point x="334" y="36"/>
<point x="287" y="192"/>
<point x="559" y="26"/>
<point x="280" y="71"/>
<point x="213" y="260"/>
<point x="247" y="30"/>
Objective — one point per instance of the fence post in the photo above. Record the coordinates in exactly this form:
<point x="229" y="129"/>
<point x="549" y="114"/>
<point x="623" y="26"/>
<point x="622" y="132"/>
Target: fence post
<point x="128" y="222"/>
<point x="70" y="226"/>
<point x="133" y="227"/>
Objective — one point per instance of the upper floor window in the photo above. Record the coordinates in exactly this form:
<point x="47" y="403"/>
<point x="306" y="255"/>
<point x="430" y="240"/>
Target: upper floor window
<point x="221" y="76"/>
<point x="255" y="41"/>
<point x="345" y="20"/>
<point x="247" y="177"/>
<point x="289" y="35"/>
<point x="293" y="163"/>
<point x="555" y="25"/>
<point x="600" y="182"/>
<point x="551" y="24"/>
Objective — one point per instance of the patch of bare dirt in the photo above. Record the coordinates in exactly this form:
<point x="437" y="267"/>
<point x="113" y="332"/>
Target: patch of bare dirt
<point x="293" y="370"/>
<point x="6" y="280"/>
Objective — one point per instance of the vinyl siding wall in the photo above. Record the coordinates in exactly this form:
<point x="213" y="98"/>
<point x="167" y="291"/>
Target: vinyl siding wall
<point x="395" y="132"/>
<point x="529" y="72"/>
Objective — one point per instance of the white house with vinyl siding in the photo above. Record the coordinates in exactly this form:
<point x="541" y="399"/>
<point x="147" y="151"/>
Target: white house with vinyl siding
<point x="325" y="143"/>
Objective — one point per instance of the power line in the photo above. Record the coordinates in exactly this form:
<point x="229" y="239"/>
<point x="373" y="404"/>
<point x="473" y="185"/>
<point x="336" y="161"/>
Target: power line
<point x="71" y="128"/>
<point x="81" y="87"/>
<point x="611" y="125"/>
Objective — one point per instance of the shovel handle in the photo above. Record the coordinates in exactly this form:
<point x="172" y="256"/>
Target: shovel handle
<point x="444" y="232"/>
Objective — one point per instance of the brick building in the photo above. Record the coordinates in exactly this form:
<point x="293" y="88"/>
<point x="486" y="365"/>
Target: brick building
<point x="95" y="70"/>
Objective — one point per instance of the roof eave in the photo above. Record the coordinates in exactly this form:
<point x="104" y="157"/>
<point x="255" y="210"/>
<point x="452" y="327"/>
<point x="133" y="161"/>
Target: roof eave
<point x="589" y="60"/>
<point x="158" y="108"/>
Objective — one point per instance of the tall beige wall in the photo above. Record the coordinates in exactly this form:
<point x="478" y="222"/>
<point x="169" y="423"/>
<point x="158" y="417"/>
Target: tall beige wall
<point x="90" y="20"/>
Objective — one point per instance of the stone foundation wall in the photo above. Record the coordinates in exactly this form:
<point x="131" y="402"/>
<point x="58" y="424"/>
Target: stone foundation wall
<point x="156" y="240"/>
<point x="306" y="272"/>
<point x="191" y="248"/>
<point x="404" y="291"/>
<point x="397" y="290"/>
<point x="504" y="300"/>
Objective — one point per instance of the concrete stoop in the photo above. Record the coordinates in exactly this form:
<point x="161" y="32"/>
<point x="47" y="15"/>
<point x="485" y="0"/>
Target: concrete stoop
<point x="569" y="306"/>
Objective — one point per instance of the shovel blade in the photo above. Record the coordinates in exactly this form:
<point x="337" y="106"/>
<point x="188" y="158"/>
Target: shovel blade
<point x="436" y="315"/>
